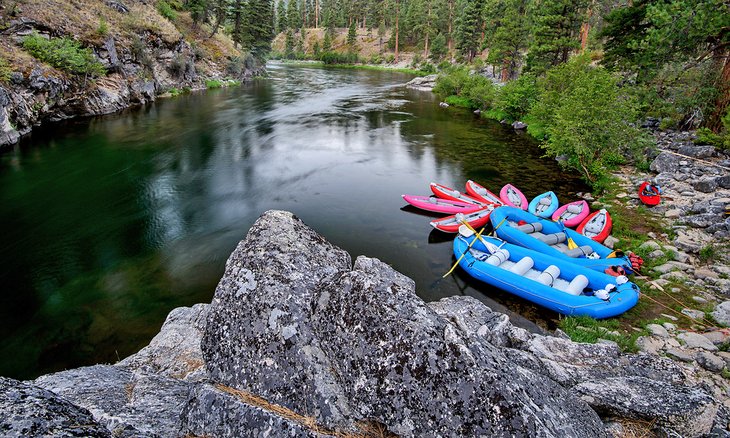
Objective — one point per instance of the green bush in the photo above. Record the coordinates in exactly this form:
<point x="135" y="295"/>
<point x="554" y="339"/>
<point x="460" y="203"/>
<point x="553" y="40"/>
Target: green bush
<point x="213" y="83"/>
<point x="65" y="54"/>
<point x="513" y="101"/>
<point x="474" y="91"/>
<point x="103" y="29"/>
<point x="427" y="68"/>
<point x="339" y="58"/>
<point x="390" y="58"/>
<point x="166" y="10"/>
<point x="586" y="117"/>
<point x="459" y="101"/>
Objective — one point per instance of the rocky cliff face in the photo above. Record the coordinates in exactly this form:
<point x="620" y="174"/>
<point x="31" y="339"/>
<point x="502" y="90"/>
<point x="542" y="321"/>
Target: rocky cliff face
<point x="141" y="62"/>
<point x="299" y="342"/>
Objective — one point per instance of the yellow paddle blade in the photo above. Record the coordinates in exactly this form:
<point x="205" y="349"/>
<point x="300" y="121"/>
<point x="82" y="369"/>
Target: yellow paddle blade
<point x="572" y="244"/>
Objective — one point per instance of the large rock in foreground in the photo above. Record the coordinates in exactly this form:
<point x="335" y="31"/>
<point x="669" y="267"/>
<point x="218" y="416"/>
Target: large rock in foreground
<point x="293" y="323"/>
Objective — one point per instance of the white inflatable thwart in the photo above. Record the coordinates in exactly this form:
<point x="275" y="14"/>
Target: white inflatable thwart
<point x="548" y="276"/>
<point x="521" y="267"/>
<point x="577" y="285"/>
<point x="499" y="257"/>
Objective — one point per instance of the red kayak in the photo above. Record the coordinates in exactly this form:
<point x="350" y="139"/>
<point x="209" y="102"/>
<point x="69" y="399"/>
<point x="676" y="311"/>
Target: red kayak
<point x="482" y="194"/>
<point x="451" y="224"/>
<point x="649" y="194"/>
<point x="444" y="192"/>
<point x="597" y="225"/>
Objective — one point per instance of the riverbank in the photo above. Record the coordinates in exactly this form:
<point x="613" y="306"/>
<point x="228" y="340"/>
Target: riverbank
<point x="300" y="339"/>
<point x="134" y="54"/>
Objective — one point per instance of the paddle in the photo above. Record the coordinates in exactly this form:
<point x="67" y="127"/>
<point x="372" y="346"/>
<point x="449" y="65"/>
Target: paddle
<point x="479" y="237"/>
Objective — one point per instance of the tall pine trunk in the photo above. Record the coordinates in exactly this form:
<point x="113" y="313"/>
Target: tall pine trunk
<point x="397" y="13"/>
<point x="723" y="87"/>
<point x="451" y="22"/>
<point x="316" y="14"/>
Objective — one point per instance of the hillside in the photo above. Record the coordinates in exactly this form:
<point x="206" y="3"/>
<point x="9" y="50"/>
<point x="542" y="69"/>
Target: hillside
<point x="369" y="47"/>
<point x="100" y="57"/>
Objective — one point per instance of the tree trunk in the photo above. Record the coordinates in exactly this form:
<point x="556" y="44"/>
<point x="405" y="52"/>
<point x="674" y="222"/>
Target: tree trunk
<point x="237" y="24"/>
<point x="584" y="29"/>
<point x="451" y="21"/>
<point x="505" y="70"/>
<point x="397" y="13"/>
<point x="316" y="14"/>
<point x="723" y="98"/>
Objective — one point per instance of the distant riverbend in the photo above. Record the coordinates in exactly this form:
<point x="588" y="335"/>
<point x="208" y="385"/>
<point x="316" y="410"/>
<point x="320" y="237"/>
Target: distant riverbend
<point x="112" y="222"/>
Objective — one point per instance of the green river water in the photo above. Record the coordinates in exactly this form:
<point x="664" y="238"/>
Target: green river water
<point x="109" y="223"/>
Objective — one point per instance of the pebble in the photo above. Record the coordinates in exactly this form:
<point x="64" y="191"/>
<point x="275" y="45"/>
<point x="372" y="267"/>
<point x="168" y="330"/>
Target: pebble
<point x="673" y="213"/>
<point x="649" y="344"/>
<point x="670" y="317"/>
<point x="696" y="340"/>
<point x="710" y="362"/>
<point x="669" y="326"/>
<point x="650" y="244"/>
<point x="703" y="273"/>
<point x="657" y="253"/>
<point x="698" y="299"/>
<point x="657" y="330"/>
<point x="622" y="195"/>
<point x="610" y="241"/>
<point x="693" y="313"/>
<point x="678" y="354"/>
<point x="717" y="337"/>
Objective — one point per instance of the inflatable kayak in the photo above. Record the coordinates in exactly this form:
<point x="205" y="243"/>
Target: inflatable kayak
<point x="444" y="192"/>
<point x="572" y="213"/>
<point x="439" y="205"/>
<point x="544" y="280"/>
<point x="543" y="205"/>
<point x="481" y="193"/>
<point x="451" y="224"/>
<point x="596" y="225"/>
<point x="554" y="239"/>
<point x="649" y="194"/>
<point x="513" y="197"/>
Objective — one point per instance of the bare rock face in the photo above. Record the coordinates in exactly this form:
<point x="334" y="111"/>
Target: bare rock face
<point x="29" y="411"/>
<point x="259" y="335"/>
<point x="128" y="404"/>
<point x="293" y="323"/>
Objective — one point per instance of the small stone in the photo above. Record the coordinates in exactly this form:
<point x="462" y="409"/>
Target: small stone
<point x="622" y="195"/>
<point x="650" y="245"/>
<point x="698" y="299"/>
<point x="519" y="125"/>
<point x="717" y="337"/>
<point x="710" y="362"/>
<point x="610" y="242"/>
<point x="657" y="330"/>
<point x="724" y="355"/>
<point x="657" y="253"/>
<point x="649" y="344"/>
<point x="723" y="181"/>
<point x="703" y="273"/>
<point x="678" y="354"/>
<point x="680" y="256"/>
<point x="669" y="326"/>
<point x="443" y="104"/>
<point x="705" y="185"/>
<point x="670" y="317"/>
<point x="721" y="314"/>
<point x="696" y="340"/>
<point x="693" y="313"/>
<point x="673" y="213"/>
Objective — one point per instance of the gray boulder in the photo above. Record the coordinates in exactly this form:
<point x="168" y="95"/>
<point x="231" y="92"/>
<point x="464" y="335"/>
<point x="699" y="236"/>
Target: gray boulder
<point x="126" y="403"/>
<point x="698" y="151"/>
<point x="723" y="181"/>
<point x="175" y="351"/>
<point x="519" y="125"/>
<point x="687" y="411"/>
<point x="29" y="411"/>
<point x="721" y="313"/>
<point x="292" y="323"/>
<point x="665" y="162"/>
<point x="705" y="185"/>
<point x="259" y="329"/>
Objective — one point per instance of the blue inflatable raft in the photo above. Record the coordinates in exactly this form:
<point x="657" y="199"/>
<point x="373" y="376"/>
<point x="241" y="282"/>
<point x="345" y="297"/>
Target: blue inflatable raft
<point x="552" y="238"/>
<point x="547" y="281"/>
<point x="544" y="205"/>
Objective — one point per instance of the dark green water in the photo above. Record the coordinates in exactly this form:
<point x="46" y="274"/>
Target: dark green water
<point x="112" y="222"/>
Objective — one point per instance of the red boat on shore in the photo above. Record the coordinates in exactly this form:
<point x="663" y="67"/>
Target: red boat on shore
<point x="649" y="194"/>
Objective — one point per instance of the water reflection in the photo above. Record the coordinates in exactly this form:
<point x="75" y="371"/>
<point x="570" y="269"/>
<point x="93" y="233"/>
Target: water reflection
<point x="112" y="222"/>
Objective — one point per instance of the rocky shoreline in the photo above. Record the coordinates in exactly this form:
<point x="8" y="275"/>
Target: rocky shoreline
<point x="37" y="94"/>
<point x="301" y="341"/>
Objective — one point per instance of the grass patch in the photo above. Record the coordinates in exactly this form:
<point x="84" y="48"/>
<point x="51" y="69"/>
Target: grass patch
<point x="587" y="329"/>
<point x="707" y="253"/>
<point x="459" y="101"/>
<point x="213" y="83"/>
<point x="64" y="54"/>
<point x="5" y="70"/>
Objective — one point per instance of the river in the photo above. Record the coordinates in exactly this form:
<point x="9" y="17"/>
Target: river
<point x="109" y="223"/>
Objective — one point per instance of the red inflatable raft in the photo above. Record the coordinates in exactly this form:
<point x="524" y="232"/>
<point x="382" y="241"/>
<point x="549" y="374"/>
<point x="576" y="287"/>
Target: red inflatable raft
<point x="649" y="194"/>
<point x="597" y="225"/>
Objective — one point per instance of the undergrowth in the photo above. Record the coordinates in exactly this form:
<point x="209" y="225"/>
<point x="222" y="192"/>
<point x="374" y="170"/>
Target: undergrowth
<point x="64" y="54"/>
<point x="587" y="329"/>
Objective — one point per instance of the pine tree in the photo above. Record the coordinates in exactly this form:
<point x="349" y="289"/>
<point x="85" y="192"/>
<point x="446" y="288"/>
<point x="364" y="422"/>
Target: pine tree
<point x="352" y="37"/>
<point x="293" y="15"/>
<point x="258" y="28"/>
<point x="507" y="24"/>
<point x="469" y="26"/>
<point x="281" y="19"/>
<point x="555" y="33"/>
